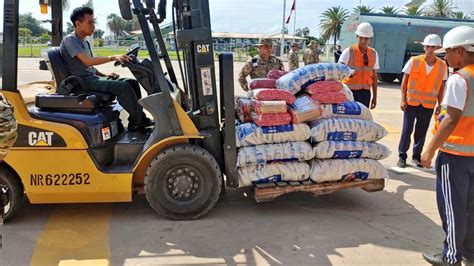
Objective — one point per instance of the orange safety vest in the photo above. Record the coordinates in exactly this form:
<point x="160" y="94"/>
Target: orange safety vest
<point x="363" y="76"/>
<point x="424" y="88"/>
<point x="461" y="141"/>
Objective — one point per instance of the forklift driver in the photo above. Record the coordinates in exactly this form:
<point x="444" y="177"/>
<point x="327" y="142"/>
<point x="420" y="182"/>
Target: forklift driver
<point x="79" y="61"/>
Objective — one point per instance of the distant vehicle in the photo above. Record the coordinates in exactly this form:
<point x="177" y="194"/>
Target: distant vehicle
<point x="397" y="37"/>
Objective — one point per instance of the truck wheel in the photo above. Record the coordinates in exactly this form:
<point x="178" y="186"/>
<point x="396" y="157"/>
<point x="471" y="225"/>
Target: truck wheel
<point x="183" y="182"/>
<point x="11" y="186"/>
<point x="387" y="77"/>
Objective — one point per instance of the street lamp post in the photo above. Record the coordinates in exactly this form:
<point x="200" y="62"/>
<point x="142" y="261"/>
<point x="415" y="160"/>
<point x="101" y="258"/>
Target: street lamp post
<point x="282" y="41"/>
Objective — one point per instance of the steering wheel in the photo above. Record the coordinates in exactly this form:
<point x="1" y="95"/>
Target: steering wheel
<point x="133" y="54"/>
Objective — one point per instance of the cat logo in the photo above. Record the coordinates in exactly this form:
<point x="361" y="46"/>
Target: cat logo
<point x="40" y="139"/>
<point x="203" y="49"/>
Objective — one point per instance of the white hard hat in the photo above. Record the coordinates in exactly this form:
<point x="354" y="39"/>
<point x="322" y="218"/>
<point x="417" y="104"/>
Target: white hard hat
<point x="461" y="36"/>
<point x="365" y="30"/>
<point x="432" y="40"/>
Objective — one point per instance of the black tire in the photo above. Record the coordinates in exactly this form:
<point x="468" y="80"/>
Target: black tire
<point x="387" y="77"/>
<point x="183" y="182"/>
<point x="11" y="182"/>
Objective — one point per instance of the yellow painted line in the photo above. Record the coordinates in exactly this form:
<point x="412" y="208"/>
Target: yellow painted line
<point x="78" y="235"/>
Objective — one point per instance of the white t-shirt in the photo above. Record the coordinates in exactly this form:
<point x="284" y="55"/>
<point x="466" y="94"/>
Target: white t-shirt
<point x="345" y="56"/>
<point x="409" y="64"/>
<point x="456" y="92"/>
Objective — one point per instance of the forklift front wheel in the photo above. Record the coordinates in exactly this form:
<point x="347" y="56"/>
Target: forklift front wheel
<point x="11" y="193"/>
<point x="183" y="182"/>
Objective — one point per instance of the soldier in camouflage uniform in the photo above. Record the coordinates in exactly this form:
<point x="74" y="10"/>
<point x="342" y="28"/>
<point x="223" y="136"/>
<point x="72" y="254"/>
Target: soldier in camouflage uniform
<point x="293" y="60"/>
<point x="259" y="66"/>
<point x="311" y="54"/>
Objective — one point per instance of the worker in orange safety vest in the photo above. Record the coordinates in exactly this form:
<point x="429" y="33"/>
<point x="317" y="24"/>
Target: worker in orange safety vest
<point x="422" y="89"/>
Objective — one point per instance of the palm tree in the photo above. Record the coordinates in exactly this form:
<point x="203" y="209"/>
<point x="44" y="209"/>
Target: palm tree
<point x="391" y="10"/>
<point x="116" y="24"/>
<point x="440" y="8"/>
<point x="460" y="15"/>
<point x="415" y="11"/>
<point x="331" y="22"/>
<point x="363" y="9"/>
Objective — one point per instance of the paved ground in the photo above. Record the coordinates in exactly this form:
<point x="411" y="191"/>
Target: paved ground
<point x="349" y="227"/>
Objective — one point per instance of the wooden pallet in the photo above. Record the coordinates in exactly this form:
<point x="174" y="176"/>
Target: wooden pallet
<point x="271" y="191"/>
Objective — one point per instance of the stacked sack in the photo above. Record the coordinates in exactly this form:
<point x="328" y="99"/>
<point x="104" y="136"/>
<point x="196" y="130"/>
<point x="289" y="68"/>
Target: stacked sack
<point x="345" y="137"/>
<point x="8" y="127"/>
<point x="272" y="135"/>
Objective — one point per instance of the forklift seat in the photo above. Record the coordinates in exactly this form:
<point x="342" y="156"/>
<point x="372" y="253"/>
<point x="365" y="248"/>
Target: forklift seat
<point x="71" y="93"/>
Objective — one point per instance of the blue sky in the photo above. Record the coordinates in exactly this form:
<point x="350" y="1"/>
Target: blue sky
<point x="247" y="16"/>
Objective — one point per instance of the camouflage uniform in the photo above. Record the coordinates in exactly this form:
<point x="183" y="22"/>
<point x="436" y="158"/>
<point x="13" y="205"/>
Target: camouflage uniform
<point x="257" y="68"/>
<point x="311" y="56"/>
<point x="8" y="127"/>
<point x="293" y="60"/>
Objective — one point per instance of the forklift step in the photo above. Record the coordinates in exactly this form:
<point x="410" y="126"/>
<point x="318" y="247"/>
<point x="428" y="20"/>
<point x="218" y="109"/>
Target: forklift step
<point x="271" y="191"/>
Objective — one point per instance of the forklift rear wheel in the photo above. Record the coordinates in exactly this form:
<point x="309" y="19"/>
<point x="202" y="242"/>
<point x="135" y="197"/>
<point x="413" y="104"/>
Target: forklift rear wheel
<point x="183" y="182"/>
<point x="11" y="187"/>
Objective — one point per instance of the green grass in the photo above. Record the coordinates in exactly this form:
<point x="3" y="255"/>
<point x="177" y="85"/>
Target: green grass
<point x="35" y="51"/>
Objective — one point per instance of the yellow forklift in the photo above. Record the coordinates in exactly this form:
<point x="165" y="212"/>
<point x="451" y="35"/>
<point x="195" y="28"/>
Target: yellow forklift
<point x="73" y="148"/>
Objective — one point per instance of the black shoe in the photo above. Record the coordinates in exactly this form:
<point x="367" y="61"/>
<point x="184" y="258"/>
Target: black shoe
<point x="132" y="126"/>
<point x="402" y="163"/>
<point x="438" y="260"/>
<point x="417" y="162"/>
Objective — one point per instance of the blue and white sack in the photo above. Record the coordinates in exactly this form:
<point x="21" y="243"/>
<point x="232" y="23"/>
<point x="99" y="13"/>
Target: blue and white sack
<point x="351" y="150"/>
<point x="274" y="172"/>
<point x="347" y="170"/>
<point x="249" y="134"/>
<point x="270" y="153"/>
<point x="346" y="129"/>
<point x="301" y="77"/>
<point x="346" y="110"/>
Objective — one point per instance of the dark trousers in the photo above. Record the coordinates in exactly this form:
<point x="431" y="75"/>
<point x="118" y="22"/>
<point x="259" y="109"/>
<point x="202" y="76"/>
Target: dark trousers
<point x="455" y="198"/>
<point x="422" y="116"/>
<point x="127" y="92"/>
<point x="362" y="96"/>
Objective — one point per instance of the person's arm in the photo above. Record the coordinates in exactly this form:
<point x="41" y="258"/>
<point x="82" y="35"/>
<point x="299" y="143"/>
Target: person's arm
<point x="374" y="89"/>
<point x="440" y="98"/>
<point x="94" y="61"/>
<point x="446" y="127"/>
<point x="404" y="88"/>
<point x="244" y="72"/>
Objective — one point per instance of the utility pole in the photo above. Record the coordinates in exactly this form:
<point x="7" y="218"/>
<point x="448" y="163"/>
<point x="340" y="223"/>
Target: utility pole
<point x="282" y="41"/>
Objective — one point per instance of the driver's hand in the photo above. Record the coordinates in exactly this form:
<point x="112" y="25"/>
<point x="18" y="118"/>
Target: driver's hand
<point x="121" y="58"/>
<point x="113" y="76"/>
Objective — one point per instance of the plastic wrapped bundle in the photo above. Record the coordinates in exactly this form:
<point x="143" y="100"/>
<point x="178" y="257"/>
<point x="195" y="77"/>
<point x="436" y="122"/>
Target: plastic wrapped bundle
<point x="324" y="86"/>
<point x="268" y="120"/>
<point x="346" y="129"/>
<point x="8" y="127"/>
<point x="304" y="109"/>
<point x="250" y="134"/>
<point x="346" y="110"/>
<point x="269" y="107"/>
<point x="275" y="172"/>
<point x="270" y="153"/>
<point x="244" y="107"/>
<point x="262" y="83"/>
<point x="330" y="97"/>
<point x="276" y="74"/>
<point x="348" y="93"/>
<point x="301" y="77"/>
<point x="347" y="170"/>
<point x="272" y="95"/>
<point x="351" y="150"/>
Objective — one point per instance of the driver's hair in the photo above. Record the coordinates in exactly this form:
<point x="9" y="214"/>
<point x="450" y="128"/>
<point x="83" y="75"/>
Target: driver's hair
<point x="79" y="13"/>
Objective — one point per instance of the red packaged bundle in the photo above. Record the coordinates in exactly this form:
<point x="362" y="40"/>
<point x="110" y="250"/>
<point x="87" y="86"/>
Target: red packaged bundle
<point x="330" y="97"/>
<point x="304" y="109"/>
<point x="269" y="107"/>
<point x="272" y="95"/>
<point x="262" y="83"/>
<point x="276" y="74"/>
<point x="244" y="107"/>
<point x="269" y="120"/>
<point x="324" y="86"/>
